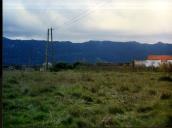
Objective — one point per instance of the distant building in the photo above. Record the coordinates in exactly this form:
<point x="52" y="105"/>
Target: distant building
<point x="154" y="61"/>
<point x="162" y="58"/>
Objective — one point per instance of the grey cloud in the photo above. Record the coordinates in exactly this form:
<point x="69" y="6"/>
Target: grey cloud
<point x="79" y="21"/>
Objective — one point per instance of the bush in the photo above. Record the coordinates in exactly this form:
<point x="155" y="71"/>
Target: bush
<point x="65" y="66"/>
<point x="61" y="66"/>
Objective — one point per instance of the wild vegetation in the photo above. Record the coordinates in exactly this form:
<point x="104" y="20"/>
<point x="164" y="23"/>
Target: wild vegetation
<point x="87" y="99"/>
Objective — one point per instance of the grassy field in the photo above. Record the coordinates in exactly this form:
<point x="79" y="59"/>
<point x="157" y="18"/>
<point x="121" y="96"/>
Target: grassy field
<point x="87" y="99"/>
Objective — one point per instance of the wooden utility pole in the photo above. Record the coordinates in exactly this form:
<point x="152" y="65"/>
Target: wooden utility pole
<point x="49" y="40"/>
<point x="46" y="52"/>
<point x="51" y="30"/>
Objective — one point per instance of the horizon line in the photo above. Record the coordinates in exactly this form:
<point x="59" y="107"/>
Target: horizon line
<point x="131" y="41"/>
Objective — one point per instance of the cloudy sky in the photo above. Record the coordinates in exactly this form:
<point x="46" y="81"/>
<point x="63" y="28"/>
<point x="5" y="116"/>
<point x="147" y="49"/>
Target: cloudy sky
<point x="147" y="21"/>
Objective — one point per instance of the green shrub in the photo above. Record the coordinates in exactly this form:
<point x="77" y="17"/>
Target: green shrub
<point x="65" y="66"/>
<point x="61" y="66"/>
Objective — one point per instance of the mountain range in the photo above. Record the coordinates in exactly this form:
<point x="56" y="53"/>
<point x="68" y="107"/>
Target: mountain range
<point x="32" y="52"/>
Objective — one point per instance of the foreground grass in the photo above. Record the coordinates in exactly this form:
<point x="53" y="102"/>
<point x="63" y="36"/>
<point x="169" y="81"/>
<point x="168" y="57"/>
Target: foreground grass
<point x="86" y="99"/>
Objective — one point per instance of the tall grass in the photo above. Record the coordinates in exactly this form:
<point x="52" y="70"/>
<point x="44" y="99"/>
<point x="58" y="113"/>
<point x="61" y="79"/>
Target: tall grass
<point x="86" y="99"/>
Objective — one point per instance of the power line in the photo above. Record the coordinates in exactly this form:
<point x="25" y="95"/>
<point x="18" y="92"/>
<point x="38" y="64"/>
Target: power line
<point x="80" y="14"/>
<point x="72" y="21"/>
<point x="76" y="19"/>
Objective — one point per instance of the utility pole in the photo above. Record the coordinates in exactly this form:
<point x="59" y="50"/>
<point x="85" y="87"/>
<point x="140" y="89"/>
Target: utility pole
<point x="51" y="30"/>
<point x="46" y="51"/>
<point x="49" y="40"/>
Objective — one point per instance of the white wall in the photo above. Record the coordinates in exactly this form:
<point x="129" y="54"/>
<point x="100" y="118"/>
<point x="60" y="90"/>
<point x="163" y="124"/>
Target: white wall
<point x="153" y="63"/>
<point x="148" y="63"/>
<point x="140" y="62"/>
<point x="169" y="61"/>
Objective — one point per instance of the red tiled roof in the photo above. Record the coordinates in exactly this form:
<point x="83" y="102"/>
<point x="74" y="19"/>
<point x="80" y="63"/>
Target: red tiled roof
<point x="159" y="57"/>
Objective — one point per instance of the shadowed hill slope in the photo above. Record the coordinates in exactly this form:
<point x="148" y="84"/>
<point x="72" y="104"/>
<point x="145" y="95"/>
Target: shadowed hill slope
<point x="32" y="52"/>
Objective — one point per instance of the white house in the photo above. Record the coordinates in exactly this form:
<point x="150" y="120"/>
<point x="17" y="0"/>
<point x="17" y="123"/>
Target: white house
<point x="154" y="61"/>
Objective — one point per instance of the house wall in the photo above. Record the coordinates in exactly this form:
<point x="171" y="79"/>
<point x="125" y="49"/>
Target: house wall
<point x="169" y="61"/>
<point x="148" y="63"/>
<point x="139" y="62"/>
<point x="153" y="63"/>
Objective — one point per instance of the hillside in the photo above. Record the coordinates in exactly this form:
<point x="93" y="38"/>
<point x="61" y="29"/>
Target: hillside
<point x="32" y="52"/>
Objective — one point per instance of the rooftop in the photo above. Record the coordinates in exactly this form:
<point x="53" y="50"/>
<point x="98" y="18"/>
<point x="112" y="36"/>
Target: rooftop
<point x="159" y="57"/>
